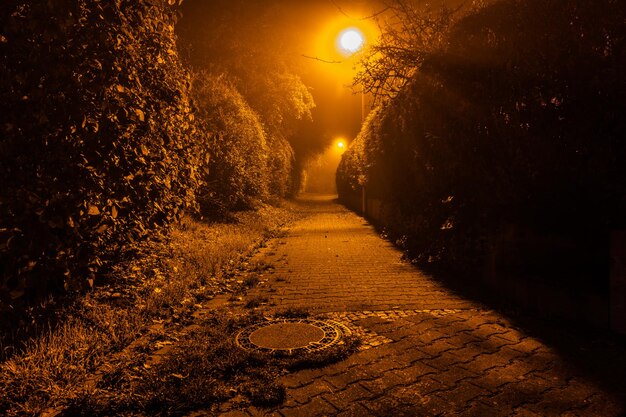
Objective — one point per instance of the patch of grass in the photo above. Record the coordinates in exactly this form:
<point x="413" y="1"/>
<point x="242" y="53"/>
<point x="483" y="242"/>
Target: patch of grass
<point x="164" y="282"/>
<point x="293" y="313"/>
<point x="55" y="365"/>
<point x="251" y="281"/>
<point x="206" y="369"/>
<point x="256" y="302"/>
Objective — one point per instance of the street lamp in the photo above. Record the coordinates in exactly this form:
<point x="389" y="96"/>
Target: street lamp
<point x="350" y="41"/>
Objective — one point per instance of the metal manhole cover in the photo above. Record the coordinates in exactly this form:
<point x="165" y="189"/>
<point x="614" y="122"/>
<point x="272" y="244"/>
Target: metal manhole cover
<point x="291" y="335"/>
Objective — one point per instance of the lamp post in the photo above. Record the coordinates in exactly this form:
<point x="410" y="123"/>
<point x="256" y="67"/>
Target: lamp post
<point x="351" y="41"/>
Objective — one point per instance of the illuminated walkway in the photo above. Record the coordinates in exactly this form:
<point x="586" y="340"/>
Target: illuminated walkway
<point x="427" y="351"/>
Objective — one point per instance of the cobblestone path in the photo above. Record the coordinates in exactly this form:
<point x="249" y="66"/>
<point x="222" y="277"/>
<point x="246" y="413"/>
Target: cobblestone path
<point x="427" y="351"/>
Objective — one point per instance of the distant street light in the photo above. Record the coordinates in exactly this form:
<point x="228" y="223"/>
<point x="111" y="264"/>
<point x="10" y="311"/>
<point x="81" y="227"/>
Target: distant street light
<point x="340" y="145"/>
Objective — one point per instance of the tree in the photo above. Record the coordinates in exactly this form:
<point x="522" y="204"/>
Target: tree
<point x="410" y="33"/>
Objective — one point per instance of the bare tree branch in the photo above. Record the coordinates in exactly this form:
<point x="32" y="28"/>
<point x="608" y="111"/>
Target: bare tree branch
<point x="410" y="32"/>
<point x="338" y="7"/>
<point x="322" y="60"/>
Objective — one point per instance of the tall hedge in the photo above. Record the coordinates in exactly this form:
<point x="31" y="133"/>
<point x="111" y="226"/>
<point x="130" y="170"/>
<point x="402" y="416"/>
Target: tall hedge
<point x="97" y="141"/>
<point x="517" y="120"/>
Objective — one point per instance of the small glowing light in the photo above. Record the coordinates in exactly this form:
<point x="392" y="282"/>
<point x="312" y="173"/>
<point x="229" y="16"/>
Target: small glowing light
<point x="351" y="40"/>
<point x="340" y="145"/>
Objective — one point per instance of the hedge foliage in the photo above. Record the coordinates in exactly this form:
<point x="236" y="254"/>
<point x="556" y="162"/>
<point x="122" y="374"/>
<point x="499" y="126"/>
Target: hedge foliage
<point x="259" y="65"/>
<point x="98" y="142"/>
<point x="238" y="168"/>
<point x="517" y="119"/>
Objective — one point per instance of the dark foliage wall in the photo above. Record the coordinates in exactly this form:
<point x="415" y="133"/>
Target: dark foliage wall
<point x="515" y="123"/>
<point x="97" y="141"/>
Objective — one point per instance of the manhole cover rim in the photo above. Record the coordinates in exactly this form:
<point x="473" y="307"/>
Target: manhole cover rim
<point x="333" y="333"/>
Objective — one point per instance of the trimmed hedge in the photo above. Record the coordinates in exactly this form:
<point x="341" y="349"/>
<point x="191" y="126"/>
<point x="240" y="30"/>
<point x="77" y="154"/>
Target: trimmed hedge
<point x="516" y="123"/>
<point x="98" y="143"/>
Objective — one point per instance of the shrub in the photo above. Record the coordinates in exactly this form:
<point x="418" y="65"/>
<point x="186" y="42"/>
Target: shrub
<point x="238" y="169"/>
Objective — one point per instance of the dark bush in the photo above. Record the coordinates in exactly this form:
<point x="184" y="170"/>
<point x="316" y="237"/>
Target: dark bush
<point x="238" y="169"/>
<point x="98" y="146"/>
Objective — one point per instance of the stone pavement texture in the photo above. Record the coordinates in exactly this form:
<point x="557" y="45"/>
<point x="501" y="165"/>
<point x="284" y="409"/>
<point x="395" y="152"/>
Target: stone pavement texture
<point x="427" y="351"/>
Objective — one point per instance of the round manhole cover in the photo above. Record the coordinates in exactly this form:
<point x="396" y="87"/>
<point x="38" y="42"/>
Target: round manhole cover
<point x="291" y="335"/>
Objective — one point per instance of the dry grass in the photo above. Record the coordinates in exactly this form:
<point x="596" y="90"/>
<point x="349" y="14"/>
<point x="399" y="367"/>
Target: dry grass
<point x="165" y="283"/>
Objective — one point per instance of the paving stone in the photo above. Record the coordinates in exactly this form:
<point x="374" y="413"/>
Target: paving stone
<point x="415" y="370"/>
<point x="461" y="394"/>
<point x="380" y="385"/>
<point x="352" y="375"/>
<point x="305" y="393"/>
<point x="480" y="409"/>
<point x="509" y="398"/>
<point x="426" y="386"/>
<point x="434" y="405"/>
<point x="483" y="362"/>
<point x="389" y="406"/>
<point x="527" y="345"/>
<point x="443" y="362"/>
<point x="466" y="353"/>
<point x="439" y="346"/>
<point x="453" y="375"/>
<point x="351" y="394"/>
<point x="354" y="410"/>
<point x="386" y="364"/>
<point x="409" y="355"/>
<point x="524" y="412"/>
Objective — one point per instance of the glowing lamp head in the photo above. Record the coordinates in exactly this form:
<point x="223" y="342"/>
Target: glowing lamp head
<point x="340" y="145"/>
<point x="351" y="40"/>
